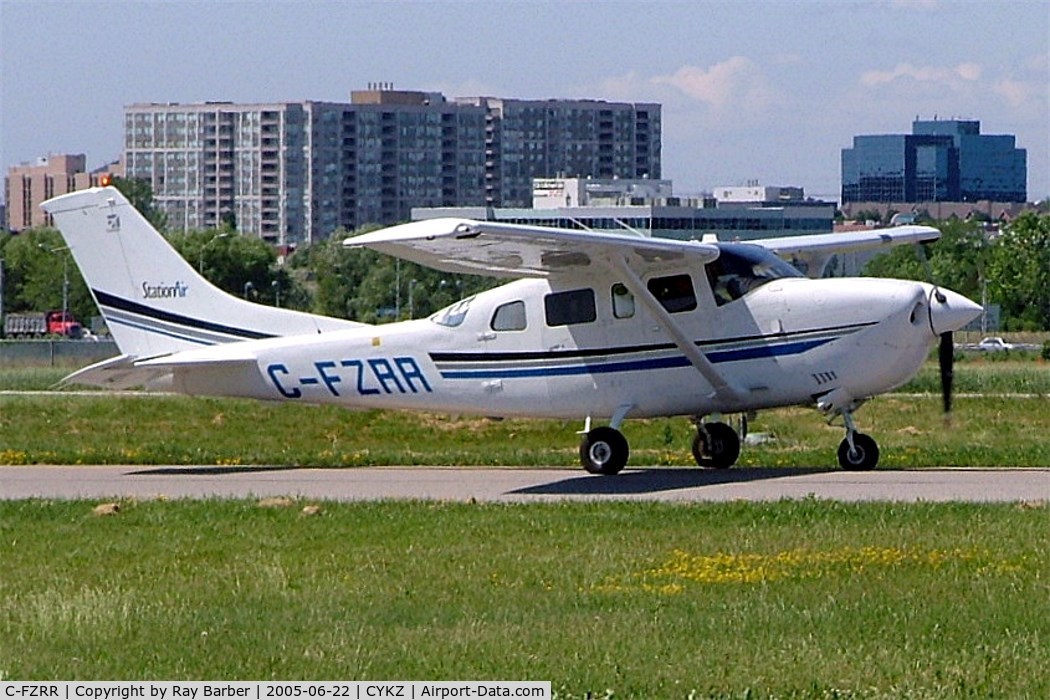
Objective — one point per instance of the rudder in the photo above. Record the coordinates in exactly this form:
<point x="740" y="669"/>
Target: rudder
<point x="153" y="301"/>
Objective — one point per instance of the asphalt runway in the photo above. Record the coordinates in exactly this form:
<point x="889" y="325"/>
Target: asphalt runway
<point x="523" y="485"/>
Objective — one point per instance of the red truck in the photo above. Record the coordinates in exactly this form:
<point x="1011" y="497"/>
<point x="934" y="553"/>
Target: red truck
<point x="39" y="325"/>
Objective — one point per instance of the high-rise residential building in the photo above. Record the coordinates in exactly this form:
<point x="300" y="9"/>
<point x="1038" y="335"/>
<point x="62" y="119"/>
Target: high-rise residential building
<point x="29" y="184"/>
<point x="940" y="161"/>
<point x="294" y="172"/>
<point x="528" y="139"/>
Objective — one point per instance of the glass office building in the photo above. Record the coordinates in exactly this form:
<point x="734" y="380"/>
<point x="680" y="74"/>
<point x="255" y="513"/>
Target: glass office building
<point x="940" y="161"/>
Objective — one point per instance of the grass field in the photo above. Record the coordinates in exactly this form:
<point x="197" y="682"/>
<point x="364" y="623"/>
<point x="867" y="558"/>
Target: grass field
<point x="996" y="429"/>
<point x="793" y="599"/>
<point x="140" y="429"/>
<point x="803" y="599"/>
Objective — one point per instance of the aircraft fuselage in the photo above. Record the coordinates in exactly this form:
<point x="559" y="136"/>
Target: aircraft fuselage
<point x="503" y="356"/>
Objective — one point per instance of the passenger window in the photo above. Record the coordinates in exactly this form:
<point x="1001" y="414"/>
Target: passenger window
<point x="509" y="317"/>
<point x="622" y="301"/>
<point x="567" y="308"/>
<point x="675" y="293"/>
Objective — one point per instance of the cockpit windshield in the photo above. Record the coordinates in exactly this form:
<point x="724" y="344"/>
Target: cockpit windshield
<point x="452" y="316"/>
<point x="741" y="268"/>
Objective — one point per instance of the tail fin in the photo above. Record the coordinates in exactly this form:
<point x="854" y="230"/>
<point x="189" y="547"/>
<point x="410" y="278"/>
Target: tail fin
<point x="153" y="301"/>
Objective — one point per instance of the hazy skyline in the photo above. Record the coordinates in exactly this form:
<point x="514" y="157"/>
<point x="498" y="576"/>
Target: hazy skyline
<point x="768" y="91"/>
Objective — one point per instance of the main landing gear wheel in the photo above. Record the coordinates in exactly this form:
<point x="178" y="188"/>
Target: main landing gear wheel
<point x="604" y="450"/>
<point x="716" y="445"/>
<point x="863" y="455"/>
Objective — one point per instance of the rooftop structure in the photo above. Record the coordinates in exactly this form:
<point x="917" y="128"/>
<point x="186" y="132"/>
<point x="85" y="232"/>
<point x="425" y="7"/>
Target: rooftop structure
<point x="551" y="193"/>
<point x="656" y="213"/>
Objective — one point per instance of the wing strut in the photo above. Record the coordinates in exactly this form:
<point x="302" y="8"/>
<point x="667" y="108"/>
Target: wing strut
<point x="723" y="388"/>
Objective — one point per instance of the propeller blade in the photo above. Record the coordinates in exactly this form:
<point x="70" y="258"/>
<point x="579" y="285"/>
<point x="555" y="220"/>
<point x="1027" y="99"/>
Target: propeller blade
<point x="946" y="355"/>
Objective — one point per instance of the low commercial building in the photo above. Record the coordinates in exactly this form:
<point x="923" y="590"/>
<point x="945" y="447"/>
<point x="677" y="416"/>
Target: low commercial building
<point x="649" y="208"/>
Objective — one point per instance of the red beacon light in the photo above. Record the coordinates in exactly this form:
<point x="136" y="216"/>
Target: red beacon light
<point x="105" y="181"/>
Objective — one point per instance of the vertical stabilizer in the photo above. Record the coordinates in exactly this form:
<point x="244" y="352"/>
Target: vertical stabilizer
<point x="153" y="301"/>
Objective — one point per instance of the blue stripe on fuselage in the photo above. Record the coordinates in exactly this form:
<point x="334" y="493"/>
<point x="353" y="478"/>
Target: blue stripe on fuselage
<point x="674" y="361"/>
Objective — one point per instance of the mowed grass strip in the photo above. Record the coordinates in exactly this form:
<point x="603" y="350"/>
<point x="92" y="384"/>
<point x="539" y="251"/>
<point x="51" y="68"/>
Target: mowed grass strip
<point x="986" y="374"/>
<point x="144" y="429"/>
<point x="791" y="599"/>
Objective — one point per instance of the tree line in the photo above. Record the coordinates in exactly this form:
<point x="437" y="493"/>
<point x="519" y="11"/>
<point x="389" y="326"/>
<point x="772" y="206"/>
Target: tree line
<point x="1011" y="268"/>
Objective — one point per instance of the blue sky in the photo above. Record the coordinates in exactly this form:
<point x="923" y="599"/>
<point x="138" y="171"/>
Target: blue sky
<point x="768" y="91"/>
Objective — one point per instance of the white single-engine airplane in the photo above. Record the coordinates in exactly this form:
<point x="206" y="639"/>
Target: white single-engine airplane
<point x="603" y="325"/>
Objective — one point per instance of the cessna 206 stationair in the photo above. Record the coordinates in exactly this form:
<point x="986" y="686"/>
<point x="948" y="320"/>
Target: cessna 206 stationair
<point x="599" y="326"/>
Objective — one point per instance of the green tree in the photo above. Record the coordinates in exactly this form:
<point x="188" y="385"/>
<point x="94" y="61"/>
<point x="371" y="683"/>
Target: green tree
<point x="245" y="266"/>
<point x="957" y="260"/>
<point x="363" y="285"/>
<point x="1019" y="273"/>
<point x="332" y="274"/>
<point x="37" y="268"/>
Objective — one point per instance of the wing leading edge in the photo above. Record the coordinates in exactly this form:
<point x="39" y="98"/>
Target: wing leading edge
<point x="812" y="253"/>
<point x="516" y="250"/>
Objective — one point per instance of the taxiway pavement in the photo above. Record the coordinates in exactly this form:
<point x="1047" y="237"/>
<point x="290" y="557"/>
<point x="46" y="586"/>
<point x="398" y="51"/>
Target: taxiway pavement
<point x="523" y="485"/>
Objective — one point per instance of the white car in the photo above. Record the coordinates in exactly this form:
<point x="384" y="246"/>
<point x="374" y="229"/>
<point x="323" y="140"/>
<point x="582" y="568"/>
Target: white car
<point x="997" y="344"/>
<point x="994" y="344"/>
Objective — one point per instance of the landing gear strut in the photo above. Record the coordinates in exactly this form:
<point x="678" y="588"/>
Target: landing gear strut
<point x="857" y="451"/>
<point x="716" y="445"/>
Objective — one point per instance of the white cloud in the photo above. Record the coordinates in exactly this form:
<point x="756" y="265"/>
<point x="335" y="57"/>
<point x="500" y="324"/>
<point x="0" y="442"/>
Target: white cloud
<point x="629" y="87"/>
<point x="734" y="83"/>
<point x="1017" y="92"/>
<point x="957" y="76"/>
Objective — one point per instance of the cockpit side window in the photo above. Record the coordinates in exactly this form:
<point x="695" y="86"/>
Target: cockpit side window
<point x="569" y="308"/>
<point x="675" y="292"/>
<point x="741" y="268"/>
<point x="509" y="317"/>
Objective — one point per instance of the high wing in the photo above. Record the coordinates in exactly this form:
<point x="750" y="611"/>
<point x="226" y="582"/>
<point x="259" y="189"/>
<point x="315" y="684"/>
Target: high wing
<point x="515" y="250"/>
<point x="811" y="253"/>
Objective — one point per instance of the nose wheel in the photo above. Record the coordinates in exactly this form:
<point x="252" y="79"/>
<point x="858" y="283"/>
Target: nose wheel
<point x="857" y="452"/>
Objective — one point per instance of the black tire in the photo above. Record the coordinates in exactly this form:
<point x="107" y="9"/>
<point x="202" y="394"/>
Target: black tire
<point x="604" y="451"/>
<point x="864" y="455"/>
<point x="716" y="445"/>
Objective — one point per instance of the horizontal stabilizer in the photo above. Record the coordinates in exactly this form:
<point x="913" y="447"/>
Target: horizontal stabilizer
<point x="119" y="372"/>
<point x="206" y="357"/>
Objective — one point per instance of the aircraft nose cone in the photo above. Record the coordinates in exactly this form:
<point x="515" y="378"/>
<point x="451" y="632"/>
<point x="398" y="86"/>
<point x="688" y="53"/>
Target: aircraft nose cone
<point x="950" y="311"/>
